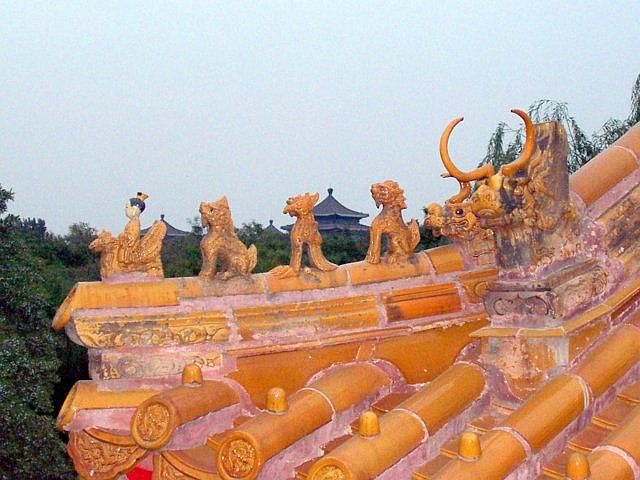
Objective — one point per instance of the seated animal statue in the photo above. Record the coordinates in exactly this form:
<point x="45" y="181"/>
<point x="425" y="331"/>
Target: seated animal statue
<point x="304" y="232"/>
<point x="401" y="238"/>
<point x="222" y="245"/>
<point x="129" y="252"/>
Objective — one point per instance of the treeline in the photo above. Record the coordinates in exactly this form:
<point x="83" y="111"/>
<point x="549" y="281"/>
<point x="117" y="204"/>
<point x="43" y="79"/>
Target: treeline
<point x="31" y="355"/>
<point x="181" y="255"/>
<point x="582" y="146"/>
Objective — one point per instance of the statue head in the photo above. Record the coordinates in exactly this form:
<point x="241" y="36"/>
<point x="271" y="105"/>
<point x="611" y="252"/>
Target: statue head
<point x="135" y="205"/>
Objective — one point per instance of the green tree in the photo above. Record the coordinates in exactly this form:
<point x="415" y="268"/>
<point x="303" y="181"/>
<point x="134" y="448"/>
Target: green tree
<point x="273" y="249"/>
<point x="30" y="447"/>
<point x="582" y="147"/>
<point x="345" y="247"/>
<point x="181" y="256"/>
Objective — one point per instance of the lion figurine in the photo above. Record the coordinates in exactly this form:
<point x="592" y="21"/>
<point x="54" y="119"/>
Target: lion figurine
<point x="221" y="244"/>
<point x="304" y="232"/>
<point x="401" y="238"/>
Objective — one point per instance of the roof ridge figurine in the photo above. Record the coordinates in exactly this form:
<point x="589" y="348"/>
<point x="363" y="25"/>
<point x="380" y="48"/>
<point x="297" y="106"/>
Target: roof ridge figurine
<point x="402" y="239"/>
<point x="304" y="232"/>
<point x="221" y="243"/>
<point x="129" y="252"/>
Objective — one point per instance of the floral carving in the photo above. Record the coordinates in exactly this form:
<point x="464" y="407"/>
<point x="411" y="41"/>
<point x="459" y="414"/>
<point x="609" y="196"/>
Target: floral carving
<point x="238" y="458"/>
<point x="102" y="455"/>
<point x="110" y="365"/>
<point x="582" y="290"/>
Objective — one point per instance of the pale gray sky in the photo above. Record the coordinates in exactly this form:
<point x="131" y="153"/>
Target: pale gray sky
<point x="189" y="101"/>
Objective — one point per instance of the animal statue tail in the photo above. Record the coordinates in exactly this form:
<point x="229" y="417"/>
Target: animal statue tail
<point x="318" y="259"/>
<point x="252" y="256"/>
<point x="415" y="233"/>
<point x="151" y="243"/>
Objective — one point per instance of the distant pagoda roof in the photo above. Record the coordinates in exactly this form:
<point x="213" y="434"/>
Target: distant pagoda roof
<point x="171" y="230"/>
<point x="333" y="217"/>
<point x="272" y="229"/>
<point x="330" y="206"/>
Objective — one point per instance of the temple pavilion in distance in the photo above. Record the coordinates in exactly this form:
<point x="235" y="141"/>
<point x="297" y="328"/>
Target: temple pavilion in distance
<point x="172" y="232"/>
<point x="334" y="218"/>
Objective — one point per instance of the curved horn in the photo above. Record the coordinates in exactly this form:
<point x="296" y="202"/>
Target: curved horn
<point x="527" y="151"/>
<point x="462" y="195"/>
<point x="453" y="171"/>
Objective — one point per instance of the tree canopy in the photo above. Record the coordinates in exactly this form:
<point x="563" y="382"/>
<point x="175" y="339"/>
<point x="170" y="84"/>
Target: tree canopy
<point x="30" y="447"/>
<point x="582" y="147"/>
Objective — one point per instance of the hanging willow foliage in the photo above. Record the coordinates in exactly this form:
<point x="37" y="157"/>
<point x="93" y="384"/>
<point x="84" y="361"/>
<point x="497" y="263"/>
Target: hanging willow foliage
<point x="582" y="147"/>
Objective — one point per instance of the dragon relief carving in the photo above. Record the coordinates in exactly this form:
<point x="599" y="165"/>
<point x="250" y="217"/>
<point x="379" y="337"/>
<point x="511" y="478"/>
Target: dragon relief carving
<point x="152" y="425"/>
<point x="401" y="238"/>
<point x="103" y="455"/>
<point x="222" y="245"/>
<point x="304" y="232"/>
<point x="129" y="252"/>
<point x="237" y="458"/>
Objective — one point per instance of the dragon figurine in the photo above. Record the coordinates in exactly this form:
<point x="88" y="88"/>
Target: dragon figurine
<point x="129" y="252"/>
<point x="221" y="244"/>
<point x="304" y="232"/>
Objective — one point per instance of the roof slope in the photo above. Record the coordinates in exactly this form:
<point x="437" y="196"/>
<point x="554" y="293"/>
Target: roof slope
<point x="171" y="230"/>
<point x="330" y="206"/>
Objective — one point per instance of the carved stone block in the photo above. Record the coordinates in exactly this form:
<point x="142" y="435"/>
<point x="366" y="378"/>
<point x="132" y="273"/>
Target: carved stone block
<point x="546" y="301"/>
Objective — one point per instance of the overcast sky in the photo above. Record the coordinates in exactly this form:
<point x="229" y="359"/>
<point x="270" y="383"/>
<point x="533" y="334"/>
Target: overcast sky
<point x="189" y="101"/>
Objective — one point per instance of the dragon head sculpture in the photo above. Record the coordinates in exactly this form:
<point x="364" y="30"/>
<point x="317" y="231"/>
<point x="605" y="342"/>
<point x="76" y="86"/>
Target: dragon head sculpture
<point x="489" y="199"/>
<point x="522" y="204"/>
<point x="301" y="205"/>
<point x="388" y="193"/>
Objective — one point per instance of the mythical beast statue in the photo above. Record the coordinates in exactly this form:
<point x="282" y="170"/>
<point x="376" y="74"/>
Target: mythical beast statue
<point x="128" y="252"/>
<point x="402" y="238"/>
<point x="456" y="220"/>
<point x="526" y="204"/>
<point x="304" y="232"/>
<point x="221" y="244"/>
